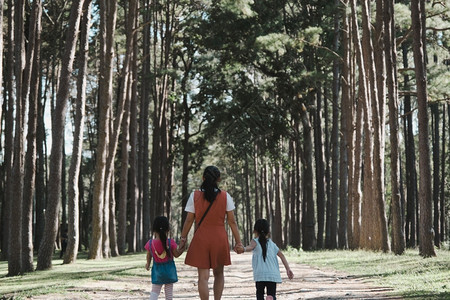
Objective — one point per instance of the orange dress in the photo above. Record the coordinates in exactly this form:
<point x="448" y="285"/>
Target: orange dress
<point x="209" y="247"/>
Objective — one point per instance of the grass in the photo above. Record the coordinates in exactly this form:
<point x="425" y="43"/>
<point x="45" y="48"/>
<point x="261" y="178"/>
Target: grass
<point x="63" y="277"/>
<point x="410" y="275"/>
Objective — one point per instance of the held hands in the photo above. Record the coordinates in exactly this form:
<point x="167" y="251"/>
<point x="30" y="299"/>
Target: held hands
<point x="183" y="243"/>
<point x="239" y="248"/>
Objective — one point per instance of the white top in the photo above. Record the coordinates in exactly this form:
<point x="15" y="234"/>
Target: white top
<point x="190" y="204"/>
<point x="267" y="270"/>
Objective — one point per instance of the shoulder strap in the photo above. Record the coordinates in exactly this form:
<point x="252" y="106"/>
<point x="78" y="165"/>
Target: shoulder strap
<point x="204" y="215"/>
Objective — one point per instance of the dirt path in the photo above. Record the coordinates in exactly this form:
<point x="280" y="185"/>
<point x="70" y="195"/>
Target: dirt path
<point x="309" y="283"/>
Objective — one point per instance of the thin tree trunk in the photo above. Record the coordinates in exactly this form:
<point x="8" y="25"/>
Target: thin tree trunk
<point x="144" y="118"/>
<point x="398" y="236"/>
<point x="58" y="122"/>
<point x="277" y="231"/>
<point x="73" y="235"/>
<point x="443" y="169"/>
<point x="309" y="232"/>
<point x="320" y="170"/>
<point x="123" y="196"/>
<point x="410" y="162"/>
<point x="435" y="120"/>
<point x="246" y="175"/>
<point x="33" y="62"/>
<point x="335" y="166"/>
<point x="107" y="25"/>
<point x="362" y="125"/>
<point x="347" y="124"/>
<point x="1" y="67"/>
<point x="426" y="246"/>
<point x="16" y="193"/>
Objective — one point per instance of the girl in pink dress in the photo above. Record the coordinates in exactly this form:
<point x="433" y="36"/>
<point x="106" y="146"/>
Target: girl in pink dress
<point x="162" y="250"/>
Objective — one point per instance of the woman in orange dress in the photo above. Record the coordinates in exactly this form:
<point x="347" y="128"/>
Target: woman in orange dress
<point x="209" y="248"/>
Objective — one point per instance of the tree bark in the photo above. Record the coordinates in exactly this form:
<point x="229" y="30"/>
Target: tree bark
<point x="398" y="236"/>
<point x="32" y="71"/>
<point x="58" y="122"/>
<point x="320" y="170"/>
<point x="410" y="162"/>
<point x="107" y="25"/>
<point x="1" y="67"/>
<point x="426" y="246"/>
<point x="15" y="224"/>
<point x="73" y="234"/>
<point x="347" y="123"/>
<point x="309" y="232"/>
<point x="443" y="172"/>
<point x="435" y="120"/>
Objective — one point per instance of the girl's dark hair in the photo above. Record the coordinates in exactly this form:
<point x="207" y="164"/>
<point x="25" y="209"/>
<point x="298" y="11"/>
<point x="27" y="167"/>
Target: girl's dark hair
<point x="262" y="228"/>
<point x="161" y="226"/>
<point x="209" y="185"/>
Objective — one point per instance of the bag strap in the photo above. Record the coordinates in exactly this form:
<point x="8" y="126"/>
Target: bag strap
<point x="204" y="215"/>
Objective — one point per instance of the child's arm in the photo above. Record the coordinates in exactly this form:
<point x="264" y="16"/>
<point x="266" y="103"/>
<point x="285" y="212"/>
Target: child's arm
<point x="179" y="250"/>
<point x="289" y="272"/>
<point x="250" y="247"/>
<point x="149" y="259"/>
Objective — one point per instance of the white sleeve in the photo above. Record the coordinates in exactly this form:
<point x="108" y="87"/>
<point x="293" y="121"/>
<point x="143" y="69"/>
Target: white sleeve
<point x="230" y="203"/>
<point x="190" y="204"/>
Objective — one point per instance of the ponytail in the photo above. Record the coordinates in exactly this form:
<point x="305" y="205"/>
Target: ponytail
<point x="161" y="226"/>
<point x="263" y="229"/>
<point x="209" y="185"/>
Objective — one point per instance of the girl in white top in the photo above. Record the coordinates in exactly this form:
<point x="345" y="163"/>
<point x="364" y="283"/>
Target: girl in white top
<point x="266" y="271"/>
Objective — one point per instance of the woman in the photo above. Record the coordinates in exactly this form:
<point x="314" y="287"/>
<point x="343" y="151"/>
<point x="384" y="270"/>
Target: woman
<point x="209" y="248"/>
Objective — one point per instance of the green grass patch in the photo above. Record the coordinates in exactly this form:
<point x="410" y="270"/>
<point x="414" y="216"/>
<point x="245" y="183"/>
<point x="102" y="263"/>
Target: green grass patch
<point x="63" y="277"/>
<point x="410" y="275"/>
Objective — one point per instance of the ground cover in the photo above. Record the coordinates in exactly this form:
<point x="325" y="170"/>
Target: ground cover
<point x="318" y="275"/>
<point x="409" y="274"/>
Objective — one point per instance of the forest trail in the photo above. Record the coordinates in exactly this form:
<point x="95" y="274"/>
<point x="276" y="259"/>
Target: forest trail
<point x="308" y="283"/>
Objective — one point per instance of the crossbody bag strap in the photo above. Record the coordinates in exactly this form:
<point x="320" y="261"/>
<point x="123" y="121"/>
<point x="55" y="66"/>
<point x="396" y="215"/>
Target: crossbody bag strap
<point x="204" y="215"/>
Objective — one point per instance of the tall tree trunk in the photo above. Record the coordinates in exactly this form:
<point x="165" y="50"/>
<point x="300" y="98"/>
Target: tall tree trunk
<point x="58" y="125"/>
<point x="107" y="25"/>
<point x="335" y="166"/>
<point x="398" y="236"/>
<point x="277" y="230"/>
<point x="347" y="123"/>
<point x="309" y="232"/>
<point x="123" y="196"/>
<point x="41" y="178"/>
<point x="443" y="169"/>
<point x="435" y="117"/>
<point x="426" y="246"/>
<point x="410" y="162"/>
<point x="320" y="170"/>
<point x="246" y="175"/>
<point x="362" y="125"/>
<point x="73" y="234"/>
<point x="1" y="67"/>
<point x="343" y="164"/>
<point x="258" y="205"/>
<point x="33" y="62"/>
<point x="15" y="222"/>
<point x="144" y="119"/>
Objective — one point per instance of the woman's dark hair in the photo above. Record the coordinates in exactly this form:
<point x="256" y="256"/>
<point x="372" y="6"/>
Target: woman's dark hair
<point x="209" y="185"/>
<point x="262" y="228"/>
<point x="161" y="226"/>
